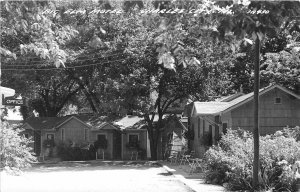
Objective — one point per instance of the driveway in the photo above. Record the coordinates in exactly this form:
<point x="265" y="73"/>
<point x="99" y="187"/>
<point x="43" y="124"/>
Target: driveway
<point x="93" y="177"/>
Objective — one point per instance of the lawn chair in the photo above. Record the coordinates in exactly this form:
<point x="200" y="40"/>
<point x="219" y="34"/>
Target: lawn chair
<point x="187" y="157"/>
<point x="173" y="158"/>
<point x="101" y="153"/>
<point x="41" y="158"/>
<point x="195" y="164"/>
<point x="134" y="155"/>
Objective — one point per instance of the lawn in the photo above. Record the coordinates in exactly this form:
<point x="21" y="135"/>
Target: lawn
<point x="93" y="176"/>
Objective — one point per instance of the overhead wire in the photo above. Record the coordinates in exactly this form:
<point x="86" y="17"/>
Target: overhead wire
<point x="40" y="63"/>
<point x="55" y="68"/>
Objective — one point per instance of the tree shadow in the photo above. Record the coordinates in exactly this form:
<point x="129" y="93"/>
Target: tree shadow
<point x="166" y="174"/>
<point x="92" y="166"/>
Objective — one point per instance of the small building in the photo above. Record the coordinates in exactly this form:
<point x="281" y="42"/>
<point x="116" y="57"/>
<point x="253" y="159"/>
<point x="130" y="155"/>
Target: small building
<point x="278" y="108"/>
<point x="134" y="137"/>
<point x="83" y="130"/>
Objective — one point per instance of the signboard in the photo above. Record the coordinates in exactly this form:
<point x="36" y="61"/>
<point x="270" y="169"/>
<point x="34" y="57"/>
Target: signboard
<point x="14" y="102"/>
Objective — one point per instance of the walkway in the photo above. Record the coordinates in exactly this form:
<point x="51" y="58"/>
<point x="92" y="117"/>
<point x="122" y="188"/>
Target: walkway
<point x="93" y="176"/>
<point x="195" y="180"/>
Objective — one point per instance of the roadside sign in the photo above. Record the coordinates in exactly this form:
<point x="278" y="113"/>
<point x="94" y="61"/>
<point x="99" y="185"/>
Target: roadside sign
<point x="11" y="101"/>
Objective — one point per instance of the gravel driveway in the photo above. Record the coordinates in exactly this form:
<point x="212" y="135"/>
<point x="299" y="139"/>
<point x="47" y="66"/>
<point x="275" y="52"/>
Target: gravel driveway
<point x="93" y="177"/>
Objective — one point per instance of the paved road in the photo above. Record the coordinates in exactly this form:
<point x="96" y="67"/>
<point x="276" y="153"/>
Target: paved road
<point x="93" y="177"/>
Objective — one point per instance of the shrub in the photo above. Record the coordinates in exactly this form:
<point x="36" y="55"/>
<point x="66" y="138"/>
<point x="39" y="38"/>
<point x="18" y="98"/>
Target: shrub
<point x="48" y="143"/>
<point x="15" y="152"/>
<point x="133" y="145"/>
<point x="101" y="144"/>
<point x="231" y="161"/>
<point x="68" y="153"/>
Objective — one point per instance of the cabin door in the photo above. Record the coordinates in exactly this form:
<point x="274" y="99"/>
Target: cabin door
<point x="117" y="143"/>
<point x="37" y="142"/>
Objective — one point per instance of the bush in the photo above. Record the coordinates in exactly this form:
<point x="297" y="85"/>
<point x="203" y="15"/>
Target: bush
<point x="68" y="153"/>
<point x="230" y="162"/>
<point x="48" y="143"/>
<point x="15" y="152"/>
<point x="101" y="144"/>
<point x="133" y="145"/>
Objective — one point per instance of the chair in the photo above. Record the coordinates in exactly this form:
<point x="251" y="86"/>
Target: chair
<point x="186" y="158"/>
<point x="100" y="153"/>
<point x="173" y="156"/>
<point x="134" y="155"/>
<point x="195" y="164"/>
<point x="41" y="158"/>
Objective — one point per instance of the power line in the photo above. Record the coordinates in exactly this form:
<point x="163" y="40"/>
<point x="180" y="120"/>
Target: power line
<point x="54" y="68"/>
<point x="39" y="63"/>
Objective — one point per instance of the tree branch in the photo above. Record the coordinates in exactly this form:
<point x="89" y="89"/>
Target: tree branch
<point x="169" y="103"/>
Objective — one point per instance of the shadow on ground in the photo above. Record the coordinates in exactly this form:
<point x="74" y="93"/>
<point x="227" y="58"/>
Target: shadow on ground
<point x="91" y="166"/>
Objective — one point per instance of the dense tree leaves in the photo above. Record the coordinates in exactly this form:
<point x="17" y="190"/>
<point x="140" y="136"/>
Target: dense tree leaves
<point x="48" y="92"/>
<point x="28" y="30"/>
<point x="279" y="64"/>
<point x="15" y="150"/>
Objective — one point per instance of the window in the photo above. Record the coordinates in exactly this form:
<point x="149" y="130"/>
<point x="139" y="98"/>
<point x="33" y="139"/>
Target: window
<point x="133" y="139"/>
<point x="199" y="122"/>
<point x="277" y="100"/>
<point x="203" y="125"/>
<point x="85" y="134"/>
<point x="62" y="134"/>
<point x="26" y="135"/>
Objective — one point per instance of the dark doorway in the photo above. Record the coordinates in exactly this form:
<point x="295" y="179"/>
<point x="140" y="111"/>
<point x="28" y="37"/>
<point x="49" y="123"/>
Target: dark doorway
<point x="37" y="142"/>
<point x="117" y="143"/>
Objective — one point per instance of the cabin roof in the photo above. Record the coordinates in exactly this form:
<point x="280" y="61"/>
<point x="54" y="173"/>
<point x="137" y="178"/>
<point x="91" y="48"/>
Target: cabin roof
<point x="130" y="122"/>
<point x="207" y="108"/>
<point x="94" y="122"/>
<point x="227" y="104"/>
<point x="44" y="122"/>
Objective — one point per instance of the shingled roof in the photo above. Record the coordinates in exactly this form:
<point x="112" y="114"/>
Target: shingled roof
<point x="44" y="122"/>
<point x="95" y="122"/>
<point x="214" y="108"/>
<point x="130" y="122"/>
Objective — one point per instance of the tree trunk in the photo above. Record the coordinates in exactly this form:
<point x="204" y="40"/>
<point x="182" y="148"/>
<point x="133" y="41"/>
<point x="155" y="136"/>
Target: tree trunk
<point x="153" y="149"/>
<point x="154" y="137"/>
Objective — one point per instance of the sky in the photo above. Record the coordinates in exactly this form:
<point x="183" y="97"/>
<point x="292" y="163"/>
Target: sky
<point x="14" y="113"/>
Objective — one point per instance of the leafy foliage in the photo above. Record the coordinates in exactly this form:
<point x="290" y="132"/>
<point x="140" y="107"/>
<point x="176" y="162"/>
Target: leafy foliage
<point x="101" y="144"/>
<point x="68" y="153"/>
<point x="283" y="68"/>
<point x="133" y="145"/>
<point x="279" y="64"/>
<point x="30" y="31"/>
<point x="230" y="162"/>
<point x="15" y="152"/>
<point x="49" y="92"/>
<point x="48" y="143"/>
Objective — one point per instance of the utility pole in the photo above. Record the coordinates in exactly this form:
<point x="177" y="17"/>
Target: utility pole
<point x="256" y="113"/>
